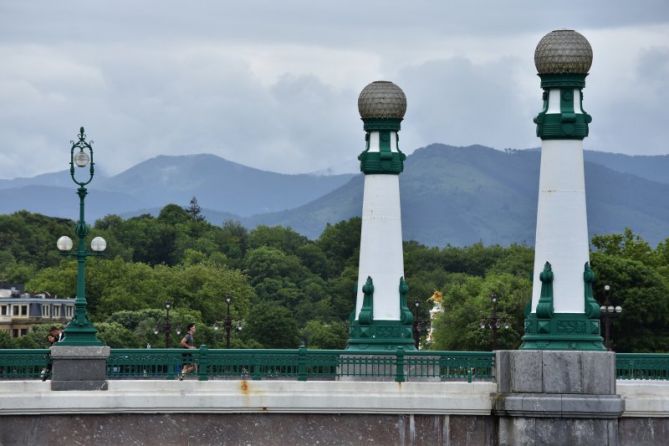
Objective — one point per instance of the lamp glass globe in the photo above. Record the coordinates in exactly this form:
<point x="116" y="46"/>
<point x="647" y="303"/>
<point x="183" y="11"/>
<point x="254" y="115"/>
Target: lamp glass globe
<point x="98" y="244"/>
<point x="81" y="159"/>
<point x="64" y="243"/>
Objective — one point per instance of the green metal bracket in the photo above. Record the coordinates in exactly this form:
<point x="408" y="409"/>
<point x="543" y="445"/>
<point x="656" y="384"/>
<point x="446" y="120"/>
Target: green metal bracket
<point x="591" y="305"/>
<point x="547" y="330"/>
<point x="567" y="124"/>
<point x="367" y="333"/>
<point x="367" y="311"/>
<point x="406" y="316"/>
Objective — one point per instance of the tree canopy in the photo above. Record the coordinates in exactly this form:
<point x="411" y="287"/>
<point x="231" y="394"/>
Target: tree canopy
<point x="285" y="289"/>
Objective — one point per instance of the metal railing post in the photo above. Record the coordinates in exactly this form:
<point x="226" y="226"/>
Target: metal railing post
<point x="203" y="363"/>
<point x="399" y="365"/>
<point x="302" y="363"/>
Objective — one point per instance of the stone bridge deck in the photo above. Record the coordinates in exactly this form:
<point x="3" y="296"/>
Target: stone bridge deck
<point x="235" y="412"/>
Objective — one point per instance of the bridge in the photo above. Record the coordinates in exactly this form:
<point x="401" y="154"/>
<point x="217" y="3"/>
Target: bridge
<point x="305" y="396"/>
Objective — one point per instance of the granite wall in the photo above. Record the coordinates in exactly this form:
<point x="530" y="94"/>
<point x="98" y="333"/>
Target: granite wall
<point x="314" y="429"/>
<point x="246" y="429"/>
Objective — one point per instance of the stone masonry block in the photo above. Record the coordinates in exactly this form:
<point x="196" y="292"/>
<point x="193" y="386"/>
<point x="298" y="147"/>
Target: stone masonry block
<point x="503" y="370"/>
<point x="599" y="373"/>
<point x="561" y="372"/>
<point x="526" y="371"/>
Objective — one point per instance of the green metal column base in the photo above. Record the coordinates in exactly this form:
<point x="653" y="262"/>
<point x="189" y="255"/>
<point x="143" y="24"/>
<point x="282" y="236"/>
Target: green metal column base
<point x="380" y="335"/>
<point x="562" y="331"/>
<point x="84" y="336"/>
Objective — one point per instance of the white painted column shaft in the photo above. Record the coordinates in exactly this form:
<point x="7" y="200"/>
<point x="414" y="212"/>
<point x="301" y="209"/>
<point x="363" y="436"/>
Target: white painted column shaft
<point x="381" y="255"/>
<point x="562" y="227"/>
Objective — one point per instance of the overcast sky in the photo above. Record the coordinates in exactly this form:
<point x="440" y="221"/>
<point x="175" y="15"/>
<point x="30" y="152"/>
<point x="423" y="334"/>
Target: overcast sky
<point x="274" y="84"/>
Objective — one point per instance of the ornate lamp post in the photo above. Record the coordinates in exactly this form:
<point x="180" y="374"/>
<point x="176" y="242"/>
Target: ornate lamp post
<point x="494" y="322"/>
<point x="227" y="323"/>
<point x="80" y="330"/>
<point x="418" y="325"/>
<point x="168" y="326"/>
<point x="608" y="314"/>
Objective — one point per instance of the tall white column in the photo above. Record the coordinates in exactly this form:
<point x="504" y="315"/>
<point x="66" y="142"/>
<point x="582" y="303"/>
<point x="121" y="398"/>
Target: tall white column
<point x="381" y="255"/>
<point x="563" y="313"/>
<point x="381" y="319"/>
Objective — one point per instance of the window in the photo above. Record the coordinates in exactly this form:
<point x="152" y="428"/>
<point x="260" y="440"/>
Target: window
<point x="55" y="312"/>
<point x="20" y="310"/>
<point x="23" y="331"/>
<point x="46" y="310"/>
<point x="15" y="333"/>
<point x="69" y="312"/>
<point x="3" y="310"/>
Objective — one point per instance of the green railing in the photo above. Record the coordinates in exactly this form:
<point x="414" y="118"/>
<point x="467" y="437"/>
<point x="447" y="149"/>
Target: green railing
<point x="302" y="364"/>
<point x="642" y="366"/>
<point x="23" y="364"/>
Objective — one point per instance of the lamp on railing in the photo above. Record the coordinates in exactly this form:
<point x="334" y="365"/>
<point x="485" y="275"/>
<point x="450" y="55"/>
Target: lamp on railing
<point x="608" y="313"/>
<point x="228" y="323"/>
<point x="418" y="324"/>
<point x="167" y="326"/>
<point x="494" y="322"/>
<point x="80" y="330"/>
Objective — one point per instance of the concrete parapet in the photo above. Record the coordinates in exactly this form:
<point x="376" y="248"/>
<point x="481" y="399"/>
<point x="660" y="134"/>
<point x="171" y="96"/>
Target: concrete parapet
<point x="79" y="368"/>
<point x="552" y="397"/>
<point x="555" y="371"/>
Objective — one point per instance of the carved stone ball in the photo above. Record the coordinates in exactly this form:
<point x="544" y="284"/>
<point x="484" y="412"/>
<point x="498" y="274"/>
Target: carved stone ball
<point x="563" y="52"/>
<point x="382" y="100"/>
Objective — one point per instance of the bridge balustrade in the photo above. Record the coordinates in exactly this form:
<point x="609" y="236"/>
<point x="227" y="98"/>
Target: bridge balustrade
<point x="306" y="364"/>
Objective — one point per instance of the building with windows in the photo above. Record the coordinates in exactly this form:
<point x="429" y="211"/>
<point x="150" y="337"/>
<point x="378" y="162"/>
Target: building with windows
<point x="19" y="310"/>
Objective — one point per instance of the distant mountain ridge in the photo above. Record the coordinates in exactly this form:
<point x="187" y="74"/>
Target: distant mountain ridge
<point x="450" y="195"/>
<point x="463" y="195"/>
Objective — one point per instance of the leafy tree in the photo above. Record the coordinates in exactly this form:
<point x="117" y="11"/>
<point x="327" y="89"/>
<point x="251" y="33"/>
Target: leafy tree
<point x="232" y="240"/>
<point x="36" y="338"/>
<point x="278" y="237"/>
<point x="324" y="335"/>
<point x="467" y="302"/>
<point x="6" y="341"/>
<point x="273" y="326"/>
<point x="117" y="336"/>
<point x="194" y="211"/>
<point x="341" y="244"/>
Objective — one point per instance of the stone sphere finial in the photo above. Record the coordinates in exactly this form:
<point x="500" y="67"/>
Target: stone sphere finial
<point x="382" y="100"/>
<point x="563" y="51"/>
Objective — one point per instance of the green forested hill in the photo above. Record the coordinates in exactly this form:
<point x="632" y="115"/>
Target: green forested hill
<point x="463" y="195"/>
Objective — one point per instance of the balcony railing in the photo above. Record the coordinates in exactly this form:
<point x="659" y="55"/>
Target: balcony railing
<point x="302" y="364"/>
<point x="23" y="364"/>
<point x="642" y="366"/>
<point x="305" y="364"/>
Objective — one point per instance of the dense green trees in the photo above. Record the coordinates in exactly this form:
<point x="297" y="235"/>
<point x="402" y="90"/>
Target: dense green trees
<point x="285" y="289"/>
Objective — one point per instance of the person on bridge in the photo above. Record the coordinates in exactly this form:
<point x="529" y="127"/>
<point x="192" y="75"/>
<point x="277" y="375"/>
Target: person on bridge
<point x="188" y="341"/>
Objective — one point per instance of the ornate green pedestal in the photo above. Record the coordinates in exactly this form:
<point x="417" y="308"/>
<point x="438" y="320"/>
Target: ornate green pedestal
<point x="365" y="333"/>
<point x="547" y="330"/>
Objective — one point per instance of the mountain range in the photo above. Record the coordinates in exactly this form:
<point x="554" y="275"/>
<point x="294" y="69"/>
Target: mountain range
<point x="450" y="195"/>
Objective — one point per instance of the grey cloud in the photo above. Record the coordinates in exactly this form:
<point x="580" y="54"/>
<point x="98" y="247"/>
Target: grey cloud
<point x="633" y="118"/>
<point x="458" y="102"/>
<point x="327" y="23"/>
<point x="155" y="77"/>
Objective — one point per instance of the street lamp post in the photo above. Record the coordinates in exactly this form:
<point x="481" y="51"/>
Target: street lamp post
<point x="168" y="326"/>
<point x="418" y="325"/>
<point x="227" y="323"/>
<point x="80" y="330"/>
<point x="494" y="322"/>
<point x="608" y="313"/>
